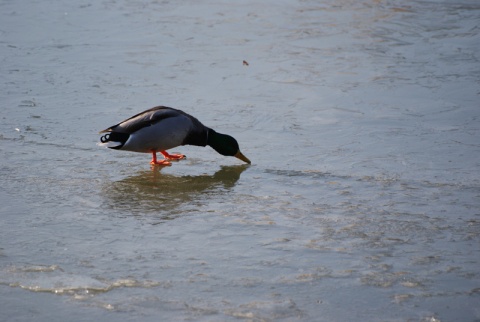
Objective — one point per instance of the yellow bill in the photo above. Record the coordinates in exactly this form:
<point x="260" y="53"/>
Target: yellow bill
<point x="240" y="156"/>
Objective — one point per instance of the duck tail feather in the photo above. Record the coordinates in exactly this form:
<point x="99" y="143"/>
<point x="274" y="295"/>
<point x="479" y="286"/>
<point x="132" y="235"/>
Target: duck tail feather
<point x="113" y="140"/>
<point x="110" y="144"/>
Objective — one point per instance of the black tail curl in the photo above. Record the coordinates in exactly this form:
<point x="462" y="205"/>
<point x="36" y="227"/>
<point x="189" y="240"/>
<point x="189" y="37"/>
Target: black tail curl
<point x="115" y="137"/>
<point x="105" y="138"/>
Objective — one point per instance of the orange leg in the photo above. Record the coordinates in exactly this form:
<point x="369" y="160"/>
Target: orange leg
<point x="161" y="162"/>
<point x="175" y="156"/>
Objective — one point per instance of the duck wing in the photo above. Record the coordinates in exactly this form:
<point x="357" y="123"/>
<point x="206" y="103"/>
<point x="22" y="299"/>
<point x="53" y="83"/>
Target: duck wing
<point x="144" y="119"/>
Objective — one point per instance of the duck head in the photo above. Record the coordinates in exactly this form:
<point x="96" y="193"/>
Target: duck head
<point x="225" y="145"/>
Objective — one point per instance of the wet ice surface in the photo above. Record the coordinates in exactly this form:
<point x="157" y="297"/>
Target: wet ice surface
<point x="361" y="119"/>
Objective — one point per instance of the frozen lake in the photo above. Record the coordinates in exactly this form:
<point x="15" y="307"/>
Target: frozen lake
<point x="362" y="121"/>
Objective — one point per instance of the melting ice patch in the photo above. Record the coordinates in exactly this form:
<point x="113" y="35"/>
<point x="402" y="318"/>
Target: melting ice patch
<point x="53" y="279"/>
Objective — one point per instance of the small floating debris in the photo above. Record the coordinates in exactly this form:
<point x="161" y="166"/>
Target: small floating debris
<point x="404" y="9"/>
<point x="245" y="63"/>
<point x="400" y="298"/>
<point x="27" y="103"/>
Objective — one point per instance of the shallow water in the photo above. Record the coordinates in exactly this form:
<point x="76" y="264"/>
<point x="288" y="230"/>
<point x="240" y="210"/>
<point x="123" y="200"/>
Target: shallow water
<point x="361" y="119"/>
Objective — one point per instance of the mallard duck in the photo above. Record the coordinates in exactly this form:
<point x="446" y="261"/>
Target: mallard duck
<point x="162" y="128"/>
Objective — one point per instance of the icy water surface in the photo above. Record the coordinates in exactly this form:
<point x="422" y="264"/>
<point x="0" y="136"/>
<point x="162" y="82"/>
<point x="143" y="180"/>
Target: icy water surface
<point x="362" y="122"/>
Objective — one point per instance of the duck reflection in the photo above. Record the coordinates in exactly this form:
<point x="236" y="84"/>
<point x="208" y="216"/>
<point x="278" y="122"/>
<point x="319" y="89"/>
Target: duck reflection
<point x="166" y="195"/>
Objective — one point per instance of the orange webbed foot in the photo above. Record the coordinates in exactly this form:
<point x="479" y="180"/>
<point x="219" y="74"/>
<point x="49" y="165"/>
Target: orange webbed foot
<point x="174" y="156"/>
<point x="161" y="162"/>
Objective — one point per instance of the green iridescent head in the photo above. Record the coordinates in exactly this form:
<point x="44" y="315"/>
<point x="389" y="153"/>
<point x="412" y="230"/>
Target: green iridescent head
<point x="225" y="145"/>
